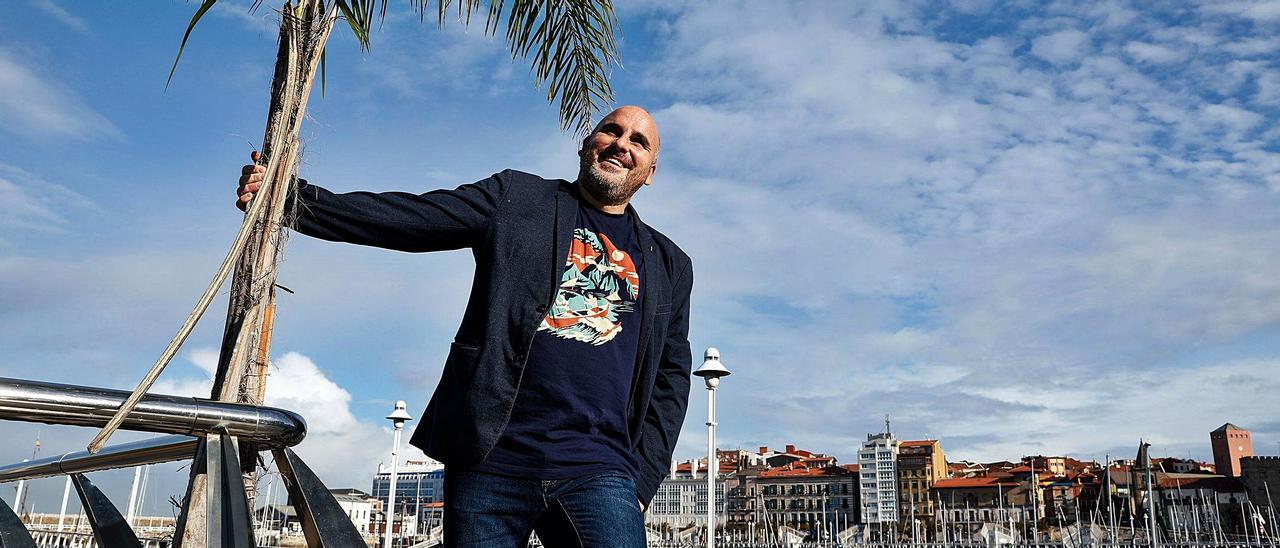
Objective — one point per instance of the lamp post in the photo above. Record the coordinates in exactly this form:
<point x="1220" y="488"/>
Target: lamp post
<point x="398" y="418"/>
<point x="711" y="371"/>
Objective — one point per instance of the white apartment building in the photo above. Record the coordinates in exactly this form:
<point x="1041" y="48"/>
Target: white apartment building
<point x="358" y="506"/>
<point x="681" y="500"/>
<point x="878" y="478"/>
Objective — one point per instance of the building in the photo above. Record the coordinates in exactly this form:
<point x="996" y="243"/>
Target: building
<point x="358" y="505"/>
<point x="878" y="480"/>
<point x="1182" y="466"/>
<point x="1062" y="498"/>
<point x="745" y="497"/>
<point x="968" y="504"/>
<point x="1261" y="478"/>
<point x="747" y="459"/>
<point x="1050" y="466"/>
<point x="823" y="498"/>
<point x="965" y="469"/>
<point x="418" y="485"/>
<point x="280" y="518"/>
<point x="681" y="500"/>
<point x="1187" y="499"/>
<point x="793" y="455"/>
<point x="1230" y="443"/>
<point x="362" y="509"/>
<point x="921" y="463"/>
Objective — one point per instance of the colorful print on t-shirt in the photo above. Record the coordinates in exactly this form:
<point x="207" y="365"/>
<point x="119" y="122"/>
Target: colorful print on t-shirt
<point x="599" y="282"/>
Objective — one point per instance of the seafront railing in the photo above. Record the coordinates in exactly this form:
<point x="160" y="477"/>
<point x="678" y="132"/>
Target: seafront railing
<point x="207" y="431"/>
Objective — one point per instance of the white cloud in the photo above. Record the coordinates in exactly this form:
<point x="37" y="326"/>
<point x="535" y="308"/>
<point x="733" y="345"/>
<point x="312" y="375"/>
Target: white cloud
<point x="1268" y="89"/>
<point x="342" y="449"/>
<point x="417" y="60"/>
<point x="1249" y="47"/>
<point x="61" y="14"/>
<point x="1231" y="117"/>
<point x="205" y="359"/>
<point x="1259" y="10"/>
<point x="1062" y="47"/>
<point x="27" y="202"/>
<point x="260" y="20"/>
<point x="32" y="105"/>
<point x="1152" y="53"/>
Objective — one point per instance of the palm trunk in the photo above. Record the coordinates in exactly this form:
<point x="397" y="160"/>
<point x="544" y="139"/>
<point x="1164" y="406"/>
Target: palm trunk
<point x="246" y="340"/>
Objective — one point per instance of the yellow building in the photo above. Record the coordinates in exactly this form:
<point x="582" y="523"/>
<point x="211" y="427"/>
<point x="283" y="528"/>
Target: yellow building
<point x="921" y="463"/>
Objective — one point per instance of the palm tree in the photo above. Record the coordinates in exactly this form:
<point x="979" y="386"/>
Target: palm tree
<point x="571" y="45"/>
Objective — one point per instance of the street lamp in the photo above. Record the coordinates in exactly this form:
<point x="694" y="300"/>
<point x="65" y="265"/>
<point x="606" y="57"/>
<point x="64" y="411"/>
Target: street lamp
<point x="711" y="371"/>
<point x="398" y="418"/>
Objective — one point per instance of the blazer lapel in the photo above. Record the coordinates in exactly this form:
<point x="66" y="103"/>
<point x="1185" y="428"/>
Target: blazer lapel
<point x="650" y="297"/>
<point x="566" y="218"/>
<point x="652" y="270"/>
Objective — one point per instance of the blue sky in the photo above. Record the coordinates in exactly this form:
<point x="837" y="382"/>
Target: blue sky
<point x="1021" y="227"/>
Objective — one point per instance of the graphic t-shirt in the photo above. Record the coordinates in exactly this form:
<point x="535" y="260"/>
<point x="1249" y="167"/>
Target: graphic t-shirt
<point x="570" y="414"/>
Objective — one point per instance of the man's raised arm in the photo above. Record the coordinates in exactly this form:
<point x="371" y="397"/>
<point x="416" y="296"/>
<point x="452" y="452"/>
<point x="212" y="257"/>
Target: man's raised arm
<point x="434" y="221"/>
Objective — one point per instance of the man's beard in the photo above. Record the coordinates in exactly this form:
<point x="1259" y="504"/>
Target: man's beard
<point x="608" y="188"/>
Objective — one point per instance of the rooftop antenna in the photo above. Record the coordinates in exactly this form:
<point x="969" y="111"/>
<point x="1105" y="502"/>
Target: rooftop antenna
<point x="886" y="424"/>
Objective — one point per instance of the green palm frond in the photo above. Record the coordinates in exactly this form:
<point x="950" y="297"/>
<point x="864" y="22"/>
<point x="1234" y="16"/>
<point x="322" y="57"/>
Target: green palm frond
<point x="359" y="15"/>
<point x="204" y="8"/>
<point x="570" y="43"/>
<point x="573" y="46"/>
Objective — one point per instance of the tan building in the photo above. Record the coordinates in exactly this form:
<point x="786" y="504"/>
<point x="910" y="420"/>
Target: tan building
<point x="1230" y="443"/>
<point x="921" y="464"/>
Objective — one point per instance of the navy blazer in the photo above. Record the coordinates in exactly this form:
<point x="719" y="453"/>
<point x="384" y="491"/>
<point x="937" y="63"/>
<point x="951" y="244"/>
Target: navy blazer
<point x="519" y="227"/>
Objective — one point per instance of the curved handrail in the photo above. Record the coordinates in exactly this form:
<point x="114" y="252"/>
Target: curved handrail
<point x="52" y="403"/>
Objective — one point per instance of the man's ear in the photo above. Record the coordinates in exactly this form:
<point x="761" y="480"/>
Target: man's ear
<point x="652" y="169"/>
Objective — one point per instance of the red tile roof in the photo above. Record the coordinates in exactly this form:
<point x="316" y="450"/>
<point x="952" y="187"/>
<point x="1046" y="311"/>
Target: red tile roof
<point x="968" y="483"/>
<point x="789" y="472"/>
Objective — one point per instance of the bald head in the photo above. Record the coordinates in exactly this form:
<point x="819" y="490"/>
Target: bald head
<point x="638" y="118"/>
<point x="618" y="157"/>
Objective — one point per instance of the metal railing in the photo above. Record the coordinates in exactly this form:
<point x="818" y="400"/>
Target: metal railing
<point x="50" y="403"/>
<point x="204" y="430"/>
<point x="150" y="451"/>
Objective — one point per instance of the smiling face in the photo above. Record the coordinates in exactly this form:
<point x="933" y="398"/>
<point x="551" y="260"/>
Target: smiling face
<point x="619" y="156"/>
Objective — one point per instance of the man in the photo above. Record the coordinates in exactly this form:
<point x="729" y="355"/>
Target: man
<point x="566" y="385"/>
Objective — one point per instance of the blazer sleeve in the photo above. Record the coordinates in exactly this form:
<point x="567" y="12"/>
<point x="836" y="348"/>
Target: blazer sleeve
<point x="434" y="221"/>
<point x="670" y="397"/>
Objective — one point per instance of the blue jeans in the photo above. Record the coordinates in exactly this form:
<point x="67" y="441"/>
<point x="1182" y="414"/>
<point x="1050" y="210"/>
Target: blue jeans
<point x="495" y="511"/>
